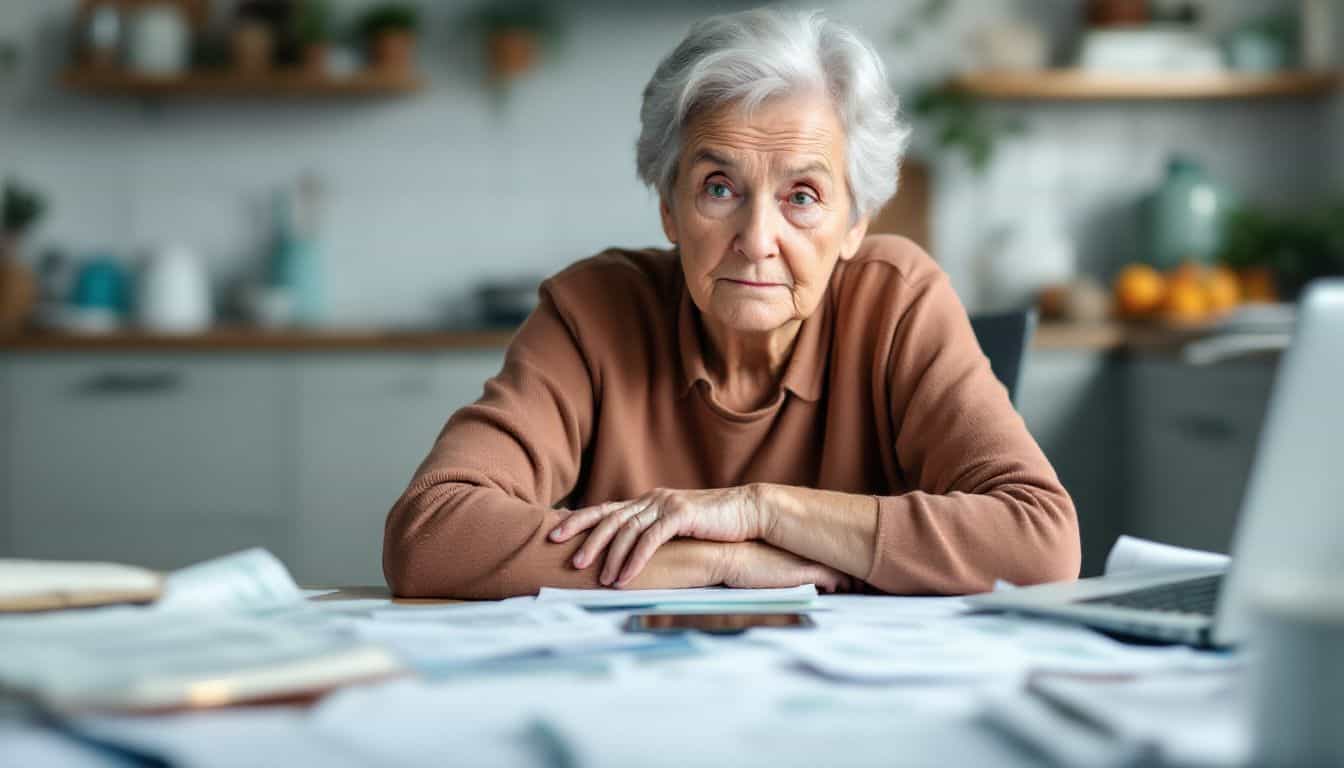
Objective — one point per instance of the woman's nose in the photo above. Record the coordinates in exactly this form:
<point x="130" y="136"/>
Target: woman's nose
<point x="757" y="234"/>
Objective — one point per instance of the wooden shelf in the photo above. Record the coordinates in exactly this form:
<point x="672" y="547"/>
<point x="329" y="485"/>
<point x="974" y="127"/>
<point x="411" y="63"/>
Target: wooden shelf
<point x="1077" y="85"/>
<point x="279" y="83"/>
<point x="1116" y="335"/>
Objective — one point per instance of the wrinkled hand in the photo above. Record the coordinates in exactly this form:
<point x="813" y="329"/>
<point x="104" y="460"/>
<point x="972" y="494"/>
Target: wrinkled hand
<point x="757" y="565"/>
<point x="631" y="531"/>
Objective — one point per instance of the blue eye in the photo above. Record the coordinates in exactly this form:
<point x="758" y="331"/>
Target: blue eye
<point x="718" y="190"/>
<point x="801" y="198"/>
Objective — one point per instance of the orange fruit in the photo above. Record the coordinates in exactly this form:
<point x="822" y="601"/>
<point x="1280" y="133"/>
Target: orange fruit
<point x="1189" y="270"/>
<point x="1257" y="285"/>
<point x="1139" y="290"/>
<point x="1222" y="289"/>
<point x="1186" y="300"/>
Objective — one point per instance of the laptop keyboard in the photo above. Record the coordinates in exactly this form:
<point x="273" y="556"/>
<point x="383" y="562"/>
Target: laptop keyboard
<point x="1198" y="596"/>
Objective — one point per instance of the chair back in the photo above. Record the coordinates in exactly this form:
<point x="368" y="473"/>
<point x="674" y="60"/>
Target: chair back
<point x="1004" y="338"/>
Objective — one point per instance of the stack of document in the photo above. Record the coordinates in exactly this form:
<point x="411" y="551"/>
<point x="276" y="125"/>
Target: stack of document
<point x="226" y="631"/>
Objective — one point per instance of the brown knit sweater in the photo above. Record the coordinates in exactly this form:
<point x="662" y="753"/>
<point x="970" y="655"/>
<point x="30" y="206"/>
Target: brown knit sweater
<point x="604" y="395"/>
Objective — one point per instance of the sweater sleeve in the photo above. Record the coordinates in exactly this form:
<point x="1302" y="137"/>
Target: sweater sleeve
<point x="474" y="519"/>
<point x="986" y="503"/>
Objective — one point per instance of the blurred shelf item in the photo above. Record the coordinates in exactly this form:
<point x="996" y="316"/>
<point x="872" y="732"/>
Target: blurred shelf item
<point x="243" y="339"/>
<point x="1080" y="85"/>
<point x="279" y="83"/>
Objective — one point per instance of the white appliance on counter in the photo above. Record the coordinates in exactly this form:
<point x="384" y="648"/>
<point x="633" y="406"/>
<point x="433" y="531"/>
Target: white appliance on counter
<point x="173" y="292"/>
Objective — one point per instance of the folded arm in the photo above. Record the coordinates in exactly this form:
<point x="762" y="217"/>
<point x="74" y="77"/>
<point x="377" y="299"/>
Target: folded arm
<point x="987" y="503"/>
<point x="473" y="522"/>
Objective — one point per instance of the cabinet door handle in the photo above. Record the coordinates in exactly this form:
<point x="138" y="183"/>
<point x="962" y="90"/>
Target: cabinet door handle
<point x="133" y="383"/>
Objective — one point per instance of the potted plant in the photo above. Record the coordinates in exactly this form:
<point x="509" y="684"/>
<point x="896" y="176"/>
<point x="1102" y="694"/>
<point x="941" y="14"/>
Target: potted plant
<point x="1276" y="253"/>
<point x="513" y="31"/>
<point x="313" y="28"/>
<point x="20" y="208"/>
<point x="389" y="30"/>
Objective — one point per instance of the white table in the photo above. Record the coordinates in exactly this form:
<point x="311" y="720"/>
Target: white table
<point x="747" y="700"/>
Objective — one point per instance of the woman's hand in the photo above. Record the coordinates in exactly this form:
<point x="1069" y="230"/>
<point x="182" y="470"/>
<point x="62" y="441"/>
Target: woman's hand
<point x="755" y="565"/>
<point x="631" y="531"/>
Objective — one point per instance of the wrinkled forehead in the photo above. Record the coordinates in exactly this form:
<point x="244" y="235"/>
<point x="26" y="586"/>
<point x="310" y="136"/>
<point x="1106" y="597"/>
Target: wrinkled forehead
<point x="795" y="134"/>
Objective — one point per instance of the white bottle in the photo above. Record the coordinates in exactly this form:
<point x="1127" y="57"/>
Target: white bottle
<point x="173" y="294"/>
<point x="158" y="41"/>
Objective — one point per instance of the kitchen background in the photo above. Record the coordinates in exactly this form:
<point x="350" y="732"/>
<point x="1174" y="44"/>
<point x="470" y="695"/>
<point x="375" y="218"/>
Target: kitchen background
<point x="374" y="197"/>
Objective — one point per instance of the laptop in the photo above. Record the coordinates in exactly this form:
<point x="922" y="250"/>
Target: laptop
<point x="1291" y="521"/>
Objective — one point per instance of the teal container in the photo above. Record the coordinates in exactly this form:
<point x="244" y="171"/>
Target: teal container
<point x="1185" y="216"/>
<point x="296" y="267"/>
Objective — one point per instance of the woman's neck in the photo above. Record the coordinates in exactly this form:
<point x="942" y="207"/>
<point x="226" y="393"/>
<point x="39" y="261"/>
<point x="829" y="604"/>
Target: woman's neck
<point x="746" y="367"/>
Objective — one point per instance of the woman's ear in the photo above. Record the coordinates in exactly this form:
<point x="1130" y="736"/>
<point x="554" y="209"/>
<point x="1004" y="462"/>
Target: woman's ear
<point x="669" y="224"/>
<point x="853" y="239"/>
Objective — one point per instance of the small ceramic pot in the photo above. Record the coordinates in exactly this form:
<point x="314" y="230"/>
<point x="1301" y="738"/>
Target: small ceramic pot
<point x="394" y="52"/>
<point x="253" y="45"/>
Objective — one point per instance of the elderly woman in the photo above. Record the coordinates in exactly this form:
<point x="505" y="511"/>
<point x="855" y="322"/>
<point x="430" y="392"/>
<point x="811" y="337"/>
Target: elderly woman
<point x="776" y="400"/>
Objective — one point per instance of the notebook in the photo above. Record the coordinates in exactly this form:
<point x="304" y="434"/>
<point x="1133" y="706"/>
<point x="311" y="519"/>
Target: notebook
<point x="44" y="585"/>
<point x="228" y="631"/>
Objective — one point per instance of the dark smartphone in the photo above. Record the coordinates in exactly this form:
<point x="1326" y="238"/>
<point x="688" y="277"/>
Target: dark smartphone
<point x="715" y="623"/>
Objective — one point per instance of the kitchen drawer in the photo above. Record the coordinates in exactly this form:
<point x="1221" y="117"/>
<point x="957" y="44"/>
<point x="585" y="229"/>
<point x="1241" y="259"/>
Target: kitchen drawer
<point x="365" y="423"/>
<point x="1192" y="439"/>
<point x="156" y="460"/>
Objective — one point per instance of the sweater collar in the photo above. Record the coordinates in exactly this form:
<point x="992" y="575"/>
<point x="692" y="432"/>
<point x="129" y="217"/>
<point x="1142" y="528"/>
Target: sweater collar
<point x="804" y="373"/>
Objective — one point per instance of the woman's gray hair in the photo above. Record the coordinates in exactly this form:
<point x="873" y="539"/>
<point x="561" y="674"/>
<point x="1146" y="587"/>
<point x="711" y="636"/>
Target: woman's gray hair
<point x="751" y="56"/>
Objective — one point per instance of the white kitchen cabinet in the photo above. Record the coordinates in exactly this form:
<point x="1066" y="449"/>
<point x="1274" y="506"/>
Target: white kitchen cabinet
<point x="365" y="422"/>
<point x="1191" y="441"/>
<point x="159" y="460"/>
<point x="1069" y="400"/>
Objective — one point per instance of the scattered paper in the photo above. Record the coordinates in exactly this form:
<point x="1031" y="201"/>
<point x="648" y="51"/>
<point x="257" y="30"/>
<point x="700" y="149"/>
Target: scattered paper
<point x="250" y="580"/>
<point x="467" y="633"/>
<point x="921" y="652"/>
<point x="634" y="598"/>
<point x="1170" y="719"/>
<point x="974" y="648"/>
<point x="137" y="658"/>
<point x="221" y="738"/>
<point x="1134" y="555"/>
<point x="226" y="630"/>
<point x="883" y="610"/>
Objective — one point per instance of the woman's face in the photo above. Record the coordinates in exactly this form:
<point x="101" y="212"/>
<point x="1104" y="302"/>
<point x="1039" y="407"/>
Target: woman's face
<point x="761" y="212"/>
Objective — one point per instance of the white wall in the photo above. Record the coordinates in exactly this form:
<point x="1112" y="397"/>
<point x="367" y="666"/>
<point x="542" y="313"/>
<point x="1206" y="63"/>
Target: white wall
<point x="433" y="193"/>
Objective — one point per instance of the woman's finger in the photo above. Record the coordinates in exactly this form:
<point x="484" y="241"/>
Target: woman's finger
<point x="656" y="535"/>
<point x="625" y="539"/>
<point x="601" y="535"/>
<point x="581" y="520"/>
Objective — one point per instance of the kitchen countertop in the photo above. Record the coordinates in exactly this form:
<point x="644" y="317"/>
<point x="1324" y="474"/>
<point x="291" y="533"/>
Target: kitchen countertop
<point x="243" y="339"/>
<point x="1101" y="337"/>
